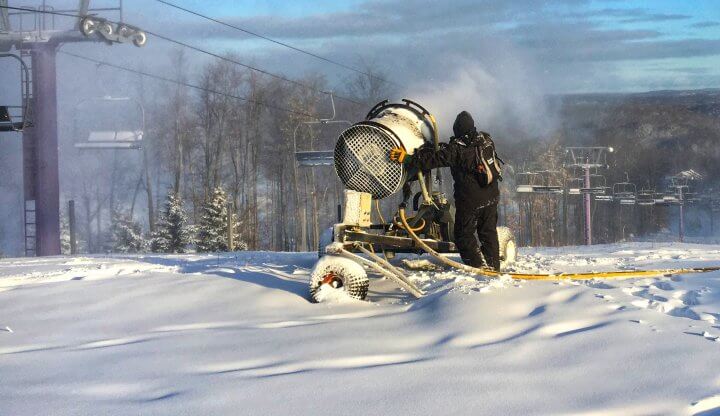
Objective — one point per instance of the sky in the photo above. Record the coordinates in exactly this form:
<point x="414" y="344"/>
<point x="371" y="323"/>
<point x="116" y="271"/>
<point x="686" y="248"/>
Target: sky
<point x="561" y="46"/>
<point x="566" y="45"/>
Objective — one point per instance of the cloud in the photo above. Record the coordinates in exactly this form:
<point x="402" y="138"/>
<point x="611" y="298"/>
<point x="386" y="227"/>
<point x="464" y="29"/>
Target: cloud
<point x="631" y="15"/>
<point x="682" y="70"/>
<point x="656" y="17"/>
<point x="371" y="18"/>
<point x="568" y="45"/>
<point x="532" y="25"/>
<point x="576" y="42"/>
<point x="705" y="24"/>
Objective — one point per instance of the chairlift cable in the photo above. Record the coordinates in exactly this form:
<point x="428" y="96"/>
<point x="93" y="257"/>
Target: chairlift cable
<point x="262" y="71"/>
<point x="24" y="9"/>
<point x="249" y="32"/>
<point x="197" y="49"/>
<point x="188" y="85"/>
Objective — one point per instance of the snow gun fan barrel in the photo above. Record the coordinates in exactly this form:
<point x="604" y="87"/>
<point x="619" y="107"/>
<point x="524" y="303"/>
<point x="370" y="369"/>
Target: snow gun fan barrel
<point x="362" y="151"/>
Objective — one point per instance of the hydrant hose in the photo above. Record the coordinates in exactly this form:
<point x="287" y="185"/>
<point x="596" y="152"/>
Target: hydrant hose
<point x="618" y="274"/>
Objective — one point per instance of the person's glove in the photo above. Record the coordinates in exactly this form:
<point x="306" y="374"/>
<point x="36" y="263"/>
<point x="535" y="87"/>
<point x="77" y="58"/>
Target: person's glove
<point x="398" y="154"/>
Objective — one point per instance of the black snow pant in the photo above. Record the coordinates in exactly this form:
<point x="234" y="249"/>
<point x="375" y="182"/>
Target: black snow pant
<point x="469" y="220"/>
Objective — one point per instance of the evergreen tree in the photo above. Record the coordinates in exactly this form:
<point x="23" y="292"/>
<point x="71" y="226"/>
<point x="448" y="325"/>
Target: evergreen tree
<point x="172" y="233"/>
<point x="64" y="235"/>
<point x="126" y="235"/>
<point x="212" y="230"/>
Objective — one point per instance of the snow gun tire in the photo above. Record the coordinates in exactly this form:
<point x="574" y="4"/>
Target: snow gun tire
<point x="341" y="273"/>
<point x="508" y="248"/>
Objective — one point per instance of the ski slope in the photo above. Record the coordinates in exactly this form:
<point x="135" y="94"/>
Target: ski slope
<point x="235" y="335"/>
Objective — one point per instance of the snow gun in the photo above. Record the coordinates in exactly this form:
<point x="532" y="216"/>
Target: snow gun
<point x="362" y="163"/>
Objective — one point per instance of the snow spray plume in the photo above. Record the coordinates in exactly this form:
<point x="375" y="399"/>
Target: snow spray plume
<point x="507" y="100"/>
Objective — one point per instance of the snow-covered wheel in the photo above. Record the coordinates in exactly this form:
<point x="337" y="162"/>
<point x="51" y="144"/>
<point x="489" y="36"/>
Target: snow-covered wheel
<point x="508" y="249"/>
<point x="333" y="273"/>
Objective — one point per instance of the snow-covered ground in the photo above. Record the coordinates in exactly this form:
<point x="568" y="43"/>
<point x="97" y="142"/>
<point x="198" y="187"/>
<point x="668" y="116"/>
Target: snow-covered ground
<point x="235" y="335"/>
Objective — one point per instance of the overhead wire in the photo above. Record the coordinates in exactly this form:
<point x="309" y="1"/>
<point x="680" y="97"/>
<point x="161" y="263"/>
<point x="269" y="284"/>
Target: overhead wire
<point x="187" y="84"/>
<point x="25" y="9"/>
<point x="262" y="71"/>
<point x="275" y="41"/>
<point x="200" y="50"/>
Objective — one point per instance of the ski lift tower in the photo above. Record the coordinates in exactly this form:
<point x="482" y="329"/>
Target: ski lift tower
<point x="587" y="158"/>
<point x="32" y="33"/>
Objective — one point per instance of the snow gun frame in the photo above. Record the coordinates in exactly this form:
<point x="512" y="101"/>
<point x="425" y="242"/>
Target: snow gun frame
<point x="357" y="241"/>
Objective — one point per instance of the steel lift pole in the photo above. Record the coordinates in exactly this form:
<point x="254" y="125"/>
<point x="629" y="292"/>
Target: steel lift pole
<point x="588" y="205"/>
<point x="42" y="183"/>
<point x="681" y="220"/>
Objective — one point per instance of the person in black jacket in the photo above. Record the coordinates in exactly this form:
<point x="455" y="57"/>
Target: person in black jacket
<point x="475" y="168"/>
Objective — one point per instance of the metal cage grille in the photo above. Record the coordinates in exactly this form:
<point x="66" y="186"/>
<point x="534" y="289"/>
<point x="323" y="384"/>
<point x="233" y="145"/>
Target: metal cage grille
<point x="362" y="163"/>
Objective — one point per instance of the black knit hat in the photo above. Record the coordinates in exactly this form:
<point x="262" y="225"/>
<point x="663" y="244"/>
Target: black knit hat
<point x="464" y="124"/>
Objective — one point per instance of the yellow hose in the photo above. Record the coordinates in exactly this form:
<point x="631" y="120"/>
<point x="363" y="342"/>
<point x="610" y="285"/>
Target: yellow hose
<point x="618" y="274"/>
<point x="377" y="209"/>
<point x="419" y="227"/>
<point x="436" y="136"/>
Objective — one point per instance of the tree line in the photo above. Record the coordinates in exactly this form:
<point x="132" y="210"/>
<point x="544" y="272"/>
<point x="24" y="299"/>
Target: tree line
<point x="198" y="143"/>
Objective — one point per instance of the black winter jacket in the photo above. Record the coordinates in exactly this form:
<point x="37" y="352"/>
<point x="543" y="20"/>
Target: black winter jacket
<point x="462" y="156"/>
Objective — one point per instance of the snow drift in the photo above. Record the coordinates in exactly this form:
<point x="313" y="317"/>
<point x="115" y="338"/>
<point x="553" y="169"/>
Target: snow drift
<point x="235" y="334"/>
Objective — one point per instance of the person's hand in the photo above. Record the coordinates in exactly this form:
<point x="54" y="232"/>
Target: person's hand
<point x="398" y="154"/>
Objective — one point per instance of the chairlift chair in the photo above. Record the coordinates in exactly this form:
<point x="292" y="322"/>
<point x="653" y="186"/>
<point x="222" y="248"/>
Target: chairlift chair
<point x="539" y="182"/>
<point x="646" y="197"/>
<point x="671" y="198"/>
<point x="312" y="158"/>
<point x="685" y="181"/>
<point x="604" y="197"/>
<point x="597" y="187"/>
<point x="6" y="120"/>
<point x="675" y="192"/>
<point x="575" y="185"/>
<point x="550" y="182"/>
<point x="602" y="193"/>
<point x="16" y="117"/>
<point x="526" y="182"/>
<point x="682" y="188"/>
<point x="625" y="193"/>
<point x="659" y="198"/>
<point x="691" y="197"/>
<point x="114" y="138"/>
